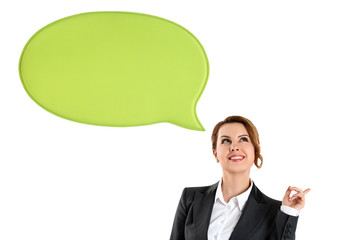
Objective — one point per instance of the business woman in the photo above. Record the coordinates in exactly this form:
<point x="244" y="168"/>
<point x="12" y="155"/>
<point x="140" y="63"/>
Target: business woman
<point x="234" y="208"/>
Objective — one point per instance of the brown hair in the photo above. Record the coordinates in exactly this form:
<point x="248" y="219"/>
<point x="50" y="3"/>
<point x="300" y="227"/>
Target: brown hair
<point x="250" y="128"/>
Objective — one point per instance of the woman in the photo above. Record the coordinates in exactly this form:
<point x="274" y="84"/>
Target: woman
<point x="234" y="208"/>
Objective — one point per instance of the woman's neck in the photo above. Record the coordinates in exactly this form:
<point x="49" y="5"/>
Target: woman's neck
<point x="234" y="184"/>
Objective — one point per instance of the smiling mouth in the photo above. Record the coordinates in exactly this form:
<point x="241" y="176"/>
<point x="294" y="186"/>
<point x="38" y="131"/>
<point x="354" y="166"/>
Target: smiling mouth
<point x="236" y="158"/>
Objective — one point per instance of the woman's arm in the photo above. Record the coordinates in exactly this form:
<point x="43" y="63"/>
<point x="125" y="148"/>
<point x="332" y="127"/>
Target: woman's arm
<point x="284" y="226"/>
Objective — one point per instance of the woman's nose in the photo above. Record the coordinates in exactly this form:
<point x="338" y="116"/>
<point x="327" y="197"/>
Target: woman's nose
<point x="234" y="148"/>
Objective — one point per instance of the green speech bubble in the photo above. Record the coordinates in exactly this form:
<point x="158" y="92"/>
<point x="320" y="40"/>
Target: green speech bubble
<point x="116" y="69"/>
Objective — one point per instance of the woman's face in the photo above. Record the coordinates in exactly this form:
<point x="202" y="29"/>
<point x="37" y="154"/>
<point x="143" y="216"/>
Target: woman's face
<point x="234" y="149"/>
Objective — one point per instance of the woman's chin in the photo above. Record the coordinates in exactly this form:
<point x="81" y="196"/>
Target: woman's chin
<point x="238" y="170"/>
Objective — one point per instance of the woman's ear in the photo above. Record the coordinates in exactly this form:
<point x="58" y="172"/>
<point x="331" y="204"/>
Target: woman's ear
<point x="215" y="155"/>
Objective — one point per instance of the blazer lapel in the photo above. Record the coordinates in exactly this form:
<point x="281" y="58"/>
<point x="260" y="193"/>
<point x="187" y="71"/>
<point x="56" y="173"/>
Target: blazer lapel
<point x="203" y="205"/>
<point x="251" y="218"/>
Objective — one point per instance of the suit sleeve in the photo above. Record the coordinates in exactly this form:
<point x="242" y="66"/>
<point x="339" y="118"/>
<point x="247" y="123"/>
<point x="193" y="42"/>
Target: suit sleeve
<point x="284" y="227"/>
<point x="178" y="229"/>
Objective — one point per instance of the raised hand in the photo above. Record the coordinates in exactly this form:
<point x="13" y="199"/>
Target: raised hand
<point x="296" y="201"/>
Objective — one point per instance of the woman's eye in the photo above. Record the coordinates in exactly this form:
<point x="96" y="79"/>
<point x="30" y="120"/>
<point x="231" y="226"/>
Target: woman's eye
<point x="244" y="139"/>
<point x="225" y="140"/>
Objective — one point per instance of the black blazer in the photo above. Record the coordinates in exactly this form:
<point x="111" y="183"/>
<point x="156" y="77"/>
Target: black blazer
<point x="261" y="218"/>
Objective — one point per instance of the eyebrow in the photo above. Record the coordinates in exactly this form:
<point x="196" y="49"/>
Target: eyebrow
<point x="224" y="136"/>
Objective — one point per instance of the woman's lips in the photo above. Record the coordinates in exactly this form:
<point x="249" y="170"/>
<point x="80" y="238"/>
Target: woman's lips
<point x="236" y="158"/>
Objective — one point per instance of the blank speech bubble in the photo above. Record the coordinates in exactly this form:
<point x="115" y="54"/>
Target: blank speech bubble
<point x="116" y="69"/>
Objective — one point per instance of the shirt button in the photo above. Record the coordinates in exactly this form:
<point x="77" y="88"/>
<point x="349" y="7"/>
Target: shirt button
<point x="222" y="221"/>
<point x="229" y="207"/>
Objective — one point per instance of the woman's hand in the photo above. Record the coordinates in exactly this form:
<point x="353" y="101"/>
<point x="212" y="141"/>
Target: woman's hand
<point x="296" y="201"/>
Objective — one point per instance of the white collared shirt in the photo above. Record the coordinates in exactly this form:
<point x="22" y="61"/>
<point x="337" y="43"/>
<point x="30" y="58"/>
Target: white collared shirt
<point x="225" y="216"/>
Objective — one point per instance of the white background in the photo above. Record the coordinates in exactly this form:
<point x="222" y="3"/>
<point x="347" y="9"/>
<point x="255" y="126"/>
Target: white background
<point x="291" y="67"/>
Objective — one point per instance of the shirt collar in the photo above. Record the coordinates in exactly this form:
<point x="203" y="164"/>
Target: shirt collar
<point x="240" y="199"/>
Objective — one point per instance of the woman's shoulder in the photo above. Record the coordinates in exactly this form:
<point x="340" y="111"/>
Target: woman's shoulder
<point x="189" y="192"/>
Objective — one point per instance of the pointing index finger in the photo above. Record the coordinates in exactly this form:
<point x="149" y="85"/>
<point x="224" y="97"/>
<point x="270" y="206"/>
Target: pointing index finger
<point x="306" y="191"/>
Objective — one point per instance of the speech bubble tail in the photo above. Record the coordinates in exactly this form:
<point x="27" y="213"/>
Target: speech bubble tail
<point x="190" y="122"/>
